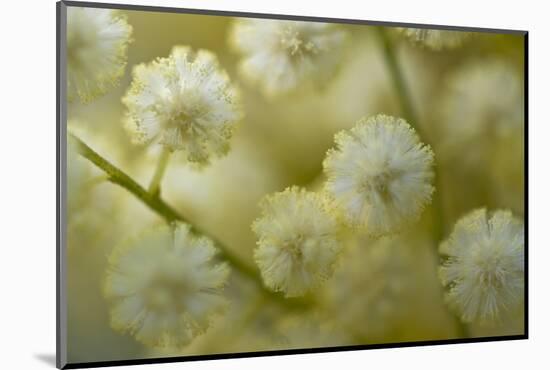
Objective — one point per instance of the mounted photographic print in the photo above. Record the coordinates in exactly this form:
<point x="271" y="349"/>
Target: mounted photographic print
<point x="236" y="184"/>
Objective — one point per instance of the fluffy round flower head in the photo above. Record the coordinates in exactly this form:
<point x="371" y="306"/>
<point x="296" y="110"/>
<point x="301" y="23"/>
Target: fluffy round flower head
<point x="436" y="39"/>
<point x="97" y="40"/>
<point x="380" y="174"/>
<point x="483" y="97"/>
<point x="280" y="56"/>
<point x="298" y="241"/>
<point x="164" y="286"/>
<point x="484" y="270"/>
<point x="183" y="102"/>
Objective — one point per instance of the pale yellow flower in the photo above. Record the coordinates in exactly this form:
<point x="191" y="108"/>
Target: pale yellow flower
<point x="481" y="116"/>
<point x="485" y="267"/>
<point x="380" y="174"/>
<point x="97" y="40"/>
<point x="164" y="286"/>
<point x="482" y="97"/>
<point x="298" y="241"/>
<point x="280" y="56"/>
<point x="184" y="102"/>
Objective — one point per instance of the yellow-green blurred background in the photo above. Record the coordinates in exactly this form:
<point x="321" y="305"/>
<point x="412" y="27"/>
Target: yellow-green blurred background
<point x="282" y="142"/>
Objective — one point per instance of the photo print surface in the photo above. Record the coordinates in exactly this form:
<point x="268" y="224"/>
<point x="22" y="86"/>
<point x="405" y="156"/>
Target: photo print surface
<point x="237" y="184"/>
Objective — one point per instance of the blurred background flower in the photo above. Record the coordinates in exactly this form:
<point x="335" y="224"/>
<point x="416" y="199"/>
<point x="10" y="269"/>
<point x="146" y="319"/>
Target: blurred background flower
<point x="281" y="56"/>
<point x="164" y="286"/>
<point x="97" y="40"/>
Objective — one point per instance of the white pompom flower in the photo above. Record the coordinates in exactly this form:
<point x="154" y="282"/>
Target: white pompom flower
<point x="97" y="42"/>
<point x="380" y="174"/>
<point x="280" y="56"/>
<point x="184" y="102"/>
<point x="485" y="267"/>
<point x="482" y="116"/>
<point x="164" y="286"/>
<point x="436" y="39"/>
<point x="483" y="97"/>
<point x="298" y="241"/>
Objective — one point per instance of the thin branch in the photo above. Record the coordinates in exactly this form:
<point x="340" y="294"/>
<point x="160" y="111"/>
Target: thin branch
<point x="154" y="186"/>
<point x="398" y="80"/>
<point x="156" y="204"/>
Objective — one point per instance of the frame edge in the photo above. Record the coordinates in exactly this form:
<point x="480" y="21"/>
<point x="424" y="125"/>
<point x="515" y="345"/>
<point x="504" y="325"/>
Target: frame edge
<point x="61" y="115"/>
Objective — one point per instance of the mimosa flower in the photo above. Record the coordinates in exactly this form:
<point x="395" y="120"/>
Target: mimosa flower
<point x="484" y="270"/>
<point x="97" y="40"/>
<point x="183" y="102"/>
<point x="164" y="286"/>
<point x="279" y="56"/>
<point x="483" y="97"/>
<point x="380" y="174"/>
<point x="482" y="128"/>
<point x="298" y="241"/>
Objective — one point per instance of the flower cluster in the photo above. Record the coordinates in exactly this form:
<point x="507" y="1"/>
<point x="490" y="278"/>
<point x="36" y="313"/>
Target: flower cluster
<point x="97" y="40"/>
<point x="378" y="178"/>
<point x="165" y="286"/>
<point x="184" y="102"/>
<point x="484" y="269"/>
<point x="279" y="56"/>
<point x="380" y="175"/>
<point x="341" y="238"/>
<point x="298" y="241"/>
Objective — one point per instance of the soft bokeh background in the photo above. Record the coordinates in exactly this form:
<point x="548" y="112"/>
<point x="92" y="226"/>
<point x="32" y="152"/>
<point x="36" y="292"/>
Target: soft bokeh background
<point x="393" y="297"/>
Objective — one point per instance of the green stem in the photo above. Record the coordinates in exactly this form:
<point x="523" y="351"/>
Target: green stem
<point x="154" y="186"/>
<point x="409" y="113"/>
<point x="398" y="79"/>
<point x="156" y="204"/>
